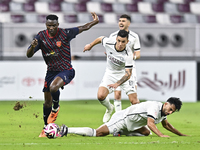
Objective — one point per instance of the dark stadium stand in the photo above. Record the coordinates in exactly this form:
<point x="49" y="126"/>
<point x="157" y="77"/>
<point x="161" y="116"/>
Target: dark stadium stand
<point x="147" y="11"/>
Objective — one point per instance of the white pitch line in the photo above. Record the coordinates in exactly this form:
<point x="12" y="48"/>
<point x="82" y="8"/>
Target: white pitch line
<point x="125" y="143"/>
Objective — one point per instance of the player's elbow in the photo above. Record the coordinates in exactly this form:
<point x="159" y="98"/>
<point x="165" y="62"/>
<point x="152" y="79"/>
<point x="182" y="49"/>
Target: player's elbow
<point x="28" y="55"/>
<point x="138" y="57"/>
<point x="165" y="126"/>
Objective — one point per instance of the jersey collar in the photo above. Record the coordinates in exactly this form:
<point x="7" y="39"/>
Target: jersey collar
<point x="162" y="114"/>
<point x="54" y="35"/>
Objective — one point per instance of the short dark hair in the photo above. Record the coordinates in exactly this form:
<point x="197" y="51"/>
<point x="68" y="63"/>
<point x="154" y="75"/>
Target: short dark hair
<point x="176" y="101"/>
<point x="52" y="17"/>
<point x="126" y="16"/>
<point x="123" y="33"/>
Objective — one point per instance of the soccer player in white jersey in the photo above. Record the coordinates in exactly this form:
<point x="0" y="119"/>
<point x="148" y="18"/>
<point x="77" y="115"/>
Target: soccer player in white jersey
<point x="134" y="118"/>
<point x="134" y="44"/>
<point x="118" y="71"/>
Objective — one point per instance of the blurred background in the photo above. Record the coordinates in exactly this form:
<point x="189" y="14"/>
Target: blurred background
<point x="169" y="32"/>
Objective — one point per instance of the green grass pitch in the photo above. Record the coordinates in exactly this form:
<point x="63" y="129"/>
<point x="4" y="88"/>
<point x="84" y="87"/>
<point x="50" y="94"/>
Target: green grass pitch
<point x="19" y="130"/>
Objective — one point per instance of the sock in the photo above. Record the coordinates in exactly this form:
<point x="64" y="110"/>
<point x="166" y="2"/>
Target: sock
<point x="55" y="97"/>
<point x="84" y="131"/>
<point x="106" y="103"/>
<point x="46" y="112"/>
<point x="118" y="105"/>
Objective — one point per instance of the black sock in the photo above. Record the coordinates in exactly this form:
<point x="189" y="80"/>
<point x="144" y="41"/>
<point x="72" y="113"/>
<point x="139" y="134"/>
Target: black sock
<point x="46" y="112"/>
<point x="55" y="97"/>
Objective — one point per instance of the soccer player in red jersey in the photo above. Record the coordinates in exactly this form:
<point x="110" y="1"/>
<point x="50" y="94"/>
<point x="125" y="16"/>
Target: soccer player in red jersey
<point x="54" y="44"/>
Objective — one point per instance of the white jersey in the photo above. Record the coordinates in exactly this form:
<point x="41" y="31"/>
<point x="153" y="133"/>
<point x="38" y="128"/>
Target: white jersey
<point x="134" y="44"/>
<point x="117" y="61"/>
<point x="135" y="116"/>
<point x="134" y="41"/>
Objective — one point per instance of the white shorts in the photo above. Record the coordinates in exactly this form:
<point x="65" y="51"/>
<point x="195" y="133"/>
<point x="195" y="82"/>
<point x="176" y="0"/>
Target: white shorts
<point x="127" y="86"/>
<point x="134" y="78"/>
<point x="116" y="123"/>
<point x="119" y="122"/>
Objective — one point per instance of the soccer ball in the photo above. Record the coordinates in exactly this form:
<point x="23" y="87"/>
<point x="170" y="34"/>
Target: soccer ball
<point x="52" y="130"/>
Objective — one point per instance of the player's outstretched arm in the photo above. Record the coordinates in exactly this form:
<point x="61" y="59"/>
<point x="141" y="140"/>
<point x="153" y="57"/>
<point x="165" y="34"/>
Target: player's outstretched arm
<point x="169" y="127"/>
<point x="30" y="51"/>
<point x="90" y="24"/>
<point x="88" y="47"/>
<point x="152" y="127"/>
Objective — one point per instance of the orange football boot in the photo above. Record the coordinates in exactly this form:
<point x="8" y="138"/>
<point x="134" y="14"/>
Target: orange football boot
<point x="53" y="115"/>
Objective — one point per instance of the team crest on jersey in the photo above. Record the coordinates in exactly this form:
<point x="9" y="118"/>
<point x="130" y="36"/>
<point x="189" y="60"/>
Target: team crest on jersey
<point x="58" y="43"/>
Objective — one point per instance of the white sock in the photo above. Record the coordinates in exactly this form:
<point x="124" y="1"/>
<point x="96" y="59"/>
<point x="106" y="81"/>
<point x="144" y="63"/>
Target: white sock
<point x="118" y="105"/>
<point x="84" y="131"/>
<point x="106" y="103"/>
<point x="55" y="110"/>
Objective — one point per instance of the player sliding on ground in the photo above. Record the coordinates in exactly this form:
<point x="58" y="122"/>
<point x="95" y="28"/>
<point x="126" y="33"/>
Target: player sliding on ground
<point x="132" y="119"/>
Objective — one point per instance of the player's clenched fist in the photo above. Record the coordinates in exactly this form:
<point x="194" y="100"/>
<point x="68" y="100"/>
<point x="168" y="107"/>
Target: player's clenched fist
<point x="34" y="43"/>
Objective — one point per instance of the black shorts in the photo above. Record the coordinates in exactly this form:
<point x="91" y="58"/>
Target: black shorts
<point x="66" y="75"/>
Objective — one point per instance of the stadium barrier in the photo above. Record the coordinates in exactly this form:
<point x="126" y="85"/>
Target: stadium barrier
<point x="157" y="80"/>
<point x="156" y="40"/>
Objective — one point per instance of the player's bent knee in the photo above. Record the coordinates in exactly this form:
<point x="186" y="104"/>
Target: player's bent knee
<point x="146" y="133"/>
<point x="53" y="88"/>
<point x="101" y="97"/>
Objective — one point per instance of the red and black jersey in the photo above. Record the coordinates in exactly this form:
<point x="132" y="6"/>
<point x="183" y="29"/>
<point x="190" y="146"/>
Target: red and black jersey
<point x="56" y="50"/>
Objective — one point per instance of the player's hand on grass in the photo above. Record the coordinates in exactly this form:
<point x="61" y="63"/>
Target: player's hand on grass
<point x="87" y="47"/>
<point x="184" y="135"/>
<point x="34" y="43"/>
<point x="164" y="136"/>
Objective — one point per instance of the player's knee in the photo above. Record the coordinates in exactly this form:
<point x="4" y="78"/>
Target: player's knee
<point x="101" y="97"/>
<point x="133" y="99"/>
<point x="135" y="102"/>
<point x="146" y="133"/>
<point x="53" y="88"/>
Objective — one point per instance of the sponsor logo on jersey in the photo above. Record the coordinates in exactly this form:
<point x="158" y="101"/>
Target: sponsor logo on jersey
<point x="114" y="60"/>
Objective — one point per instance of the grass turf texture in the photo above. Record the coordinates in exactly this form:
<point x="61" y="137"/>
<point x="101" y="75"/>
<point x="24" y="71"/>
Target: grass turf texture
<point x="20" y="129"/>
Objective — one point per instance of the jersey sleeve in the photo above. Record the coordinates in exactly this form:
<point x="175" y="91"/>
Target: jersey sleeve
<point x="39" y="43"/>
<point x="136" y="46"/>
<point x="71" y="33"/>
<point x="129" y="61"/>
<point x="152" y="111"/>
<point x="104" y="41"/>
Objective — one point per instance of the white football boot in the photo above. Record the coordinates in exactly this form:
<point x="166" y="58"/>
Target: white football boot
<point x="108" y="113"/>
